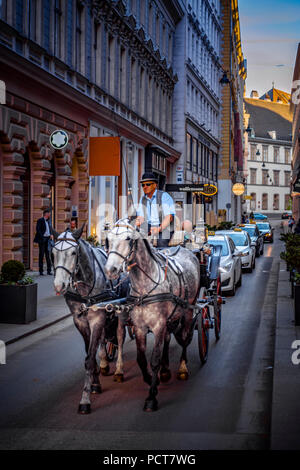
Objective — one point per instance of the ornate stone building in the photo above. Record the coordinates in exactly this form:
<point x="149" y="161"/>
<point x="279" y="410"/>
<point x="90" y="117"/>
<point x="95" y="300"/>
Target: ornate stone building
<point x="197" y="102"/>
<point x="91" y="69"/>
<point x="295" y="109"/>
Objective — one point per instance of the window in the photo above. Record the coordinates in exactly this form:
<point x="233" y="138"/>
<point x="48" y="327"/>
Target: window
<point x="253" y="201"/>
<point x="57" y="29"/>
<point x="264" y="204"/>
<point x="287" y="202"/>
<point x="188" y="151"/>
<point x="252" y="175"/>
<point x="195" y="155"/>
<point x="123" y="76"/>
<point x="19" y="15"/>
<point x="46" y="24"/>
<point x="32" y="20"/>
<point x="276" y="154"/>
<point x="252" y="152"/>
<point x="287" y="177"/>
<point x="264" y="177"/>
<point x="133" y="83"/>
<point x="78" y="37"/>
<point x="70" y="33"/>
<point x="265" y="153"/>
<point x="88" y="43"/>
<point x="276" y="202"/>
<point x="287" y="156"/>
<point x="276" y="177"/>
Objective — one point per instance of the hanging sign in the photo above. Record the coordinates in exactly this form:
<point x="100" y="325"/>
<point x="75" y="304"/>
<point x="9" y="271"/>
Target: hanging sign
<point x="205" y="189"/>
<point x="238" y="189"/>
<point x="59" y="139"/>
<point x="104" y="156"/>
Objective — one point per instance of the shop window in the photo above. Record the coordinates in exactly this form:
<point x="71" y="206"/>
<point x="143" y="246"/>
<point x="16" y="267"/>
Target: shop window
<point x="276" y="202"/>
<point x="264" y="205"/>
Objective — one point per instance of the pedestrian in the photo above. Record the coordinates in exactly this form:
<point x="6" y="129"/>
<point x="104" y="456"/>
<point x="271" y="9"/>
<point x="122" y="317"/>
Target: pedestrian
<point x="291" y="223"/>
<point x="156" y="211"/>
<point x="187" y="227"/>
<point x="73" y="225"/>
<point x="243" y="217"/>
<point x="297" y="227"/>
<point x="42" y="237"/>
<point x="247" y="220"/>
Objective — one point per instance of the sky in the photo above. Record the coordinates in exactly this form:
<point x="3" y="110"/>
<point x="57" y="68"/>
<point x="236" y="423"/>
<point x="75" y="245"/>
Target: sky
<point x="270" y="33"/>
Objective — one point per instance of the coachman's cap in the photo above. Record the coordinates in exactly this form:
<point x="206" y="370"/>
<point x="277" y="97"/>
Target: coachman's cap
<point x="149" y="176"/>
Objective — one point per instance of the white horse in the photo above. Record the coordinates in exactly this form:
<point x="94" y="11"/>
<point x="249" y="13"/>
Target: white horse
<point x="162" y="292"/>
<point x="80" y="277"/>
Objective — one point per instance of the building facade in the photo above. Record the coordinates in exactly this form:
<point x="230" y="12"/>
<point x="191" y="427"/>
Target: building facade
<point x="295" y="110"/>
<point x="197" y="100"/>
<point x="232" y="93"/>
<point x="90" y="69"/>
<point x="269" y="154"/>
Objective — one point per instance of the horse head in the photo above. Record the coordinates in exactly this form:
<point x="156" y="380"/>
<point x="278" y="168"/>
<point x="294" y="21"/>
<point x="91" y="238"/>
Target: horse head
<point x="65" y="258"/>
<point x="121" y="243"/>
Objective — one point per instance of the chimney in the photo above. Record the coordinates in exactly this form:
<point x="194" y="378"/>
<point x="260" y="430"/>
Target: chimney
<point x="254" y="94"/>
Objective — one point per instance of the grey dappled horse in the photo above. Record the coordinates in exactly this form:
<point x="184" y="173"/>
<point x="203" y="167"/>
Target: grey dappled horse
<point x="150" y="276"/>
<point x="79" y="276"/>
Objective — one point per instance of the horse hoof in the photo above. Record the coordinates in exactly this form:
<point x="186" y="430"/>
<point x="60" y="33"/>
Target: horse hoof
<point x="96" y="388"/>
<point x="119" y="378"/>
<point x="84" y="409"/>
<point x="104" y="370"/>
<point x="182" y="376"/>
<point x="165" y="376"/>
<point x="150" y="405"/>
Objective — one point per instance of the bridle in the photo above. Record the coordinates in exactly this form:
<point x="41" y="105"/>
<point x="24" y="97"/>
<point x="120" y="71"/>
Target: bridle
<point x="69" y="242"/>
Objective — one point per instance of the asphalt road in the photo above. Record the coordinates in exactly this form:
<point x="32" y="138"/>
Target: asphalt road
<point x="225" y="404"/>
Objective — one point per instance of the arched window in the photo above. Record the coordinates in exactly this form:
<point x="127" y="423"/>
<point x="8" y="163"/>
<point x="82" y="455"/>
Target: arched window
<point x="264" y="204"/>
<point x="276" y="202"/>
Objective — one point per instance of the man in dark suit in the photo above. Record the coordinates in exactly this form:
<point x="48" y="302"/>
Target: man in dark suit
<point x="42" y="237"/>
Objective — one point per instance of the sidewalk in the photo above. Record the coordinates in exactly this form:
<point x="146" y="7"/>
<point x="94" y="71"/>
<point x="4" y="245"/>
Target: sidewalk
<point x="51" y="310"/>
<point x="285" y="430"/>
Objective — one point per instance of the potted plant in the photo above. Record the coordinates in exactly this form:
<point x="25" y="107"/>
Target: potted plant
<point x="292" y="257"/>
<point x="18" y="294"/>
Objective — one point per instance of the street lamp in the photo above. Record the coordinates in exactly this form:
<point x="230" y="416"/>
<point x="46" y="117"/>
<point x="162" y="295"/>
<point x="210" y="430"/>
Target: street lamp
<point x="224" y="80"/>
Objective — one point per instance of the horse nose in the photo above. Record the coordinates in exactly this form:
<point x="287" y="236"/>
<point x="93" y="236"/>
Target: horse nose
<point x="59" y="287"/>
<point x="111" y="271"/>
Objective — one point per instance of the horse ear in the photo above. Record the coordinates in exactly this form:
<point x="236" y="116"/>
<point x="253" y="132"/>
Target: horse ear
<point x="54" y="233"/>
<point x="77" y="233"/>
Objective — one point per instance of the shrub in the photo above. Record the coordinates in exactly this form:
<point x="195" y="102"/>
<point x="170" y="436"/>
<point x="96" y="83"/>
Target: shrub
<point x="225" y="225"/>
<point x="12" y="271"/>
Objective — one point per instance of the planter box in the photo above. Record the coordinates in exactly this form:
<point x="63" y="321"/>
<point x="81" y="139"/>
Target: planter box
<point x="18" y="303"/>
<point x="297" y="304"/>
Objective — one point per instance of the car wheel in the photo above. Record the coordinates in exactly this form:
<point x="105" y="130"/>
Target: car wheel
<point x="253" y="265"/>
<point x="240" y="281"/>
<point x="262" y="250"/>
<point x="257" y="253"/>
<point x="232" y="291"/>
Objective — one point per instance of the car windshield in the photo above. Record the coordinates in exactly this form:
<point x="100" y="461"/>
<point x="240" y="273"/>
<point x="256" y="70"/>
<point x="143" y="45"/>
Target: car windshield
<point x="223" y="244"/>
<point x="240" y="239"/>
<point x="250" y="230"/>
<point x="264" y="226"/>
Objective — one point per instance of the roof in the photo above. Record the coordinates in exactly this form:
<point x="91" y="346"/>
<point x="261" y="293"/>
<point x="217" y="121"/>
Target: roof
<point x="268" y="116"/>
<point x="276" y="96"/>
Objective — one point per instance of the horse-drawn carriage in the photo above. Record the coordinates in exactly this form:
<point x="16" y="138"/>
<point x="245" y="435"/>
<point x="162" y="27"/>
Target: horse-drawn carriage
<point x="175" y="290"/>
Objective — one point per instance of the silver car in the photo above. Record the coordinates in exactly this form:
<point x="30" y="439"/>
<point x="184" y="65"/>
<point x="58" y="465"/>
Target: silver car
<point x="242" y="242"/>
<point x="230" y="264"/>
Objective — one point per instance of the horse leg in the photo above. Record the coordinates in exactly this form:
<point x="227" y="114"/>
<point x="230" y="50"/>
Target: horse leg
<point x="140" y="338"/>
<point x="151" y="401"/>
<point x="91" y="383"/>
<point x="184" y="338"/>
<point x="119" y="373"/>
<point x="165" y="373"/>
<point x="104" y="364"/>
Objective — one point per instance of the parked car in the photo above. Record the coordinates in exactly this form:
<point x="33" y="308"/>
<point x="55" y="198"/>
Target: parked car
<point x="257" y="239"/>
<point x="266" y="230"/>
<point x="286" y="214"/>
<point x="230" y="264"/>
<point x="259" y="216"/>
<point x="242" y="241"/>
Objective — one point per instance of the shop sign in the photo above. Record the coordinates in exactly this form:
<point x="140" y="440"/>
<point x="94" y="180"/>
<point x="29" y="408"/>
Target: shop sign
<point x="59" y="139"/>
<point x="238" y="189"/>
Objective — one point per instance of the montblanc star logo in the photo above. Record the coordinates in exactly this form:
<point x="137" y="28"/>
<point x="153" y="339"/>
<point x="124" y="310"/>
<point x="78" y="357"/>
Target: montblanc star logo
<point x="59" y="139"/>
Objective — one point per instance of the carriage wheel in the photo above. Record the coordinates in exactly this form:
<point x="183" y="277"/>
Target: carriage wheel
<point x="203" y="334"/>
<point x="110" y="349"/>
<point x="218" y="310"/>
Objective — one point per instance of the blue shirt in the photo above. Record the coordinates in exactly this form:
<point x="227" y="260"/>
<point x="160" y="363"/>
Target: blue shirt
<point x="168" y="208"/>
